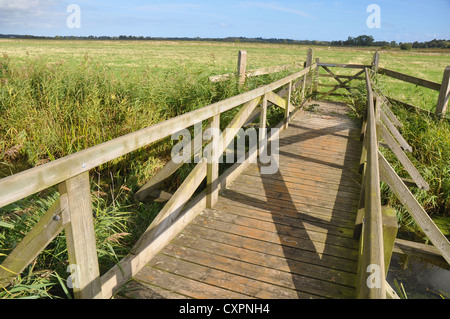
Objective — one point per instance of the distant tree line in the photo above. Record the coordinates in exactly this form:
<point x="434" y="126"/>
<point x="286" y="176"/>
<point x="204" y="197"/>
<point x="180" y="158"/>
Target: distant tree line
<point x="361" y="40"/>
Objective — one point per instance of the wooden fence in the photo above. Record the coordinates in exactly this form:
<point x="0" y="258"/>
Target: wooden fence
<point x="73" y="210"/>
<point x="374" y="225"/>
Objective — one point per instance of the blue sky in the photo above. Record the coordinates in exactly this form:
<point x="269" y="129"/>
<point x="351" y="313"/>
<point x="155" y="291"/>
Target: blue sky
<point x="401" y="20"/>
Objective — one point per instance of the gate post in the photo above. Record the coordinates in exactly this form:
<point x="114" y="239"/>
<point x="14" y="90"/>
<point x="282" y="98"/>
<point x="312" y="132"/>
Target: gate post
<point x="444" y="93"/>
<point x="242" y="66"/>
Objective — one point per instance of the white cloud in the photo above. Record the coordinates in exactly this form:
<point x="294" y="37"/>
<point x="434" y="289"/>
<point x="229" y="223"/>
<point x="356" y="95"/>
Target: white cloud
<point x="275" y="6"/>
<point x="21" y="4"/>
<point x="29" y="13"/>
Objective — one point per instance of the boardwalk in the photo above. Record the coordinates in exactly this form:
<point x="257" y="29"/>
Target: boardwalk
<point x="286" y="235"/>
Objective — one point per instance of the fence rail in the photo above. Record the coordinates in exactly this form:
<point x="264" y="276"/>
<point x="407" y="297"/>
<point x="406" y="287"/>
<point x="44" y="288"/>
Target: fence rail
<point x="372" y="225"/>
<point x="72" y="212"/>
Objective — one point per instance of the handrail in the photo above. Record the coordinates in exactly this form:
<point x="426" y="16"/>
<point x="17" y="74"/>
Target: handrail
<point x="73" y="210"/>
<point x="381" y="122"/>
<point x="443" y="88"/>
<point x="411" y="79"/>
<point x="21" y="185"/>
<point x="371" y="283"/>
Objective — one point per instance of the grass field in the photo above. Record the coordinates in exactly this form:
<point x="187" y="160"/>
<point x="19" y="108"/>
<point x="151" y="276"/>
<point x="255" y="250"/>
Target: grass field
<point x="59" y="97"/>
<point x="127" y="58"/>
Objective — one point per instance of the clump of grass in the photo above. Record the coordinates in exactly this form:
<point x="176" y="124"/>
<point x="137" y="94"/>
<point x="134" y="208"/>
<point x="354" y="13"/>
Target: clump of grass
<point x="431" y="150"/>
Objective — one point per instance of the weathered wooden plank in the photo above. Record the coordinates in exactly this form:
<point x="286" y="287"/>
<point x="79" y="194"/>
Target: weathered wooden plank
<point x="212" y="171"/>
<point x="408" y="200"/>
<point x="424" y="251"/>
<point x="284" y="193"/>
<point x="371" y="286"/>
<point x="338" y="203"/>
<point x="331" y="156"/>
<point x="393" y="130"/>
<point x="310" y="237"/>
<point x="285" y="217"/>
<point x="341" y="85"/>
<point x="80" y="237"/>
<point x="390" y="229"/>
<point x="411" y="79"/>
<point x="138" y="290"/>
<point x="340" y="76"/>
<point x="384" y="102"/>
<point x="48" y="227"/>
<point x="185" y="286"/>
<point x="349" y="66"/>
<point x="332" y="139"/>
<point x="302" y="252"/>
<point x="444" y="94"/>
<point x="277" y="224"/>
<point x="132" y="264"/>
<point x="276" y="99"/>
<point x="168" y="170"/>
<point x="173" y="207"/>
<point x="390" y="292"/>
<point x="255" y="202"/>
<point x="257" y="72"/>
<point x="233" y="282"/>
<point x="282" y="185"/>
<point x="325" y="176"/>
<point x="268" y="275"/>
<point x="267" y="260"/>
<point x="306" y="180"/>
<point x="242" y="66"/>
<point x="273" y="69"/>
<point x="409" y="107"/>
<point x="337" y="79"/>
<point x="287" y="107"/>
<point x="406" y="162"/>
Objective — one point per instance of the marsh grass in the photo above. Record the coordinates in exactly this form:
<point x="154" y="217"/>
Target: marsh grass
<point x="431" y="150"/>
<point x="51" y="110"/>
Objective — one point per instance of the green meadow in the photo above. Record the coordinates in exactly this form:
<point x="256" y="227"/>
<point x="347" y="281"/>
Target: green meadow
<point x="58" y="97"/>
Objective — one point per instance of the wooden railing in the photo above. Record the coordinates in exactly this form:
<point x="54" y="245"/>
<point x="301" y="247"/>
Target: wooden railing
<point x="243" y="74"/>
<point x="377" y="237"/>
<point x="443" y="88"/>
<point x="73" y="210"/>
<point x="371" y="262"/>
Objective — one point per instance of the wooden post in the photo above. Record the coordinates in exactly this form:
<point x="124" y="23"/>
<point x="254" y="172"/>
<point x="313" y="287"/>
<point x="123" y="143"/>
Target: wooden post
<point x="80" y="237"/>
<point x="444" y="93"/>
<point x="288" y="104"/>
<point x="390" y="228"/>
<point x="316" y="78"/>
<point x="376" y="61"/>
<point x="242" y="66"/>
<point x="309" y="59"/>
<point x="212" y="173"/>
<point x="263" y="120"/>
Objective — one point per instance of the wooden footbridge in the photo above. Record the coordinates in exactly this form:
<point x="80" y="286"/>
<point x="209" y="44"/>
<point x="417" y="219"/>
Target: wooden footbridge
<point x="304" y="221"/>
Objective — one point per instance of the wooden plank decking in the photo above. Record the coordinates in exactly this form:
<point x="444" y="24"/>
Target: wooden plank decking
<point x="286" y="235"/>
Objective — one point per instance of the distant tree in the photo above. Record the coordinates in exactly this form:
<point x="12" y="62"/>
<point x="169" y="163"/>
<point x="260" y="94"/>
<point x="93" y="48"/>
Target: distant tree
<point x="406" y="46"/>
<point x="364" y="40"/>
